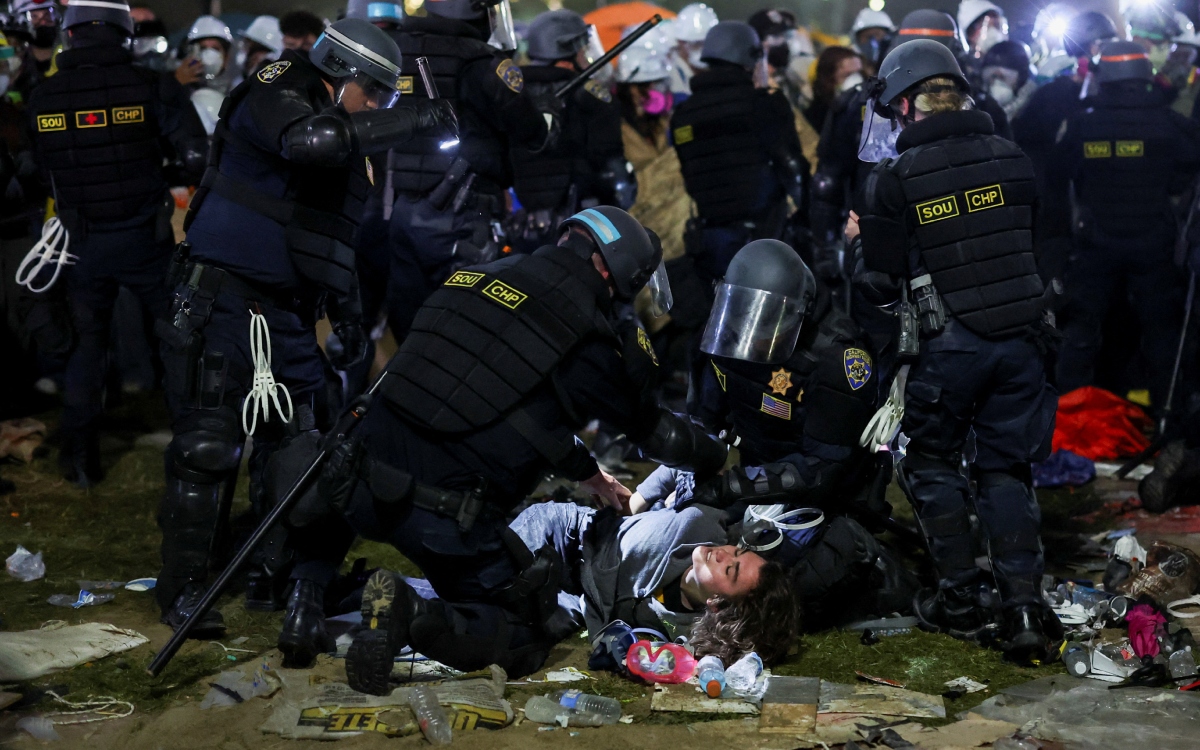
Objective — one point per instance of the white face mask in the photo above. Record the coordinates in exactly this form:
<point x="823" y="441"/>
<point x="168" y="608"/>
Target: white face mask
<point x="212" y="60"/>
<point x="851" y="81"/>
<point x="990" y="37"/>
<point x="693" y="56"/>
<point x="1002" y="92"/>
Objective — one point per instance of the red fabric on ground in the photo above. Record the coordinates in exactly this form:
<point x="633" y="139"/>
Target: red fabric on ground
<point x="1100" y="425"/>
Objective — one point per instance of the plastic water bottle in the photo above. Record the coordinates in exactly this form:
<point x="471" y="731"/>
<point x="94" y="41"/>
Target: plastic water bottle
<point x="744" y="673"/>
<point x="430" y="716"/>
<point x="710" y="672"/>
<point x="573" y="708"/>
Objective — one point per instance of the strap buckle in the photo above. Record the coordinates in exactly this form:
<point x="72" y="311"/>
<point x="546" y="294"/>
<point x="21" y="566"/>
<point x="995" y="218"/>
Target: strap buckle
<point x="471" y="506"/>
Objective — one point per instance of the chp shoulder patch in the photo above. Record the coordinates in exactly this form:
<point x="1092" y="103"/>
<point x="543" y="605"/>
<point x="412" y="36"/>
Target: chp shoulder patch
<point x="273" y="71"/>
<point x="720" y="375"/>
<point x="859" y="367"/>
<point x="511" y="74"/>
<point x="598" y="90"/>
<point x="644" y="342"/>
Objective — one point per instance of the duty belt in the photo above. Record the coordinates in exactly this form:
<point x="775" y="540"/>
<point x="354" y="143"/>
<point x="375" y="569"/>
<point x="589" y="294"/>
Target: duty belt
<point x="213" y="280"/>
<point x="391" y="485"/>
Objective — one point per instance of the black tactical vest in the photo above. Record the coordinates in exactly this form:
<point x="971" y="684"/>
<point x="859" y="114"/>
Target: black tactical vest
<point x="969" y="213"/>
<point x="826" y="390"/>
<point x="420" y="164"/>
<point x="490" y="335"/>
<point x="321" y="207"/>
<point x="726" y="169"/>
<point x="1127" y="146"/>
<point x="97" y="134"/>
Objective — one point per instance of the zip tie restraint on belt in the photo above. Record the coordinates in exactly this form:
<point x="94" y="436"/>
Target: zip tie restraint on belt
<point x="885" y="424"/>
<point x="46" y="253"/>
<point x="265" y="391"/>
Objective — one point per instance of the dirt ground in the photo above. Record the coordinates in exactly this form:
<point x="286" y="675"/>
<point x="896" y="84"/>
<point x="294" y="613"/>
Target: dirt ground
<point x="110" y="533"/>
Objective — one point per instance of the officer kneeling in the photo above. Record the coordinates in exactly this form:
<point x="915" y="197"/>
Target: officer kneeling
<point x="505" y="362"/>
<point x="950" y="219"/>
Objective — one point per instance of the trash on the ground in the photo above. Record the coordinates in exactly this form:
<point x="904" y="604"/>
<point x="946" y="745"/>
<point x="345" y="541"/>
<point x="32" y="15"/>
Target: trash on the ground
<point x="1144" y="622"/>
<point x="331" y="710"/>
<point x="626" y="719"/>
<point x="91" y="710"/>
<point x="1099" y="425"/>
<point x="879" y="700"/>
<point x="660" y="662"/>
<point x="710" y="675"/>
<point x="965" y="684"/>
<point x="884" y="627"/>
<point x="687" y="697"/>
<point x="789" y="705"/>
<point x="19" y="438"/>
<point x="1109" y="470"/>
<point x="567" y="674"/>
<point x="973" y="731"/>
<point x="1112" y="662"/>
<point x="100" y="585"/>
<point x="1094" y="716"/>
<point x="240" y="685"/>
<point x="746" y="679"/>
<point x="432" y="720"/>
<point x="573" y="708"/>
<point x="141" y="584"/>
<point x="25" y="566"/>
<point x="1185" y="609"/>
<point x="878" y="680"/>
<point x="29" y="654"/>
<point x="82" y="599"/>
<point x="1063" y="469"/>
<point x="1016" y="742"/>
<point x="1172" y="572"/>
<point x="38" y="727"/>
<point x="7" y="699"/>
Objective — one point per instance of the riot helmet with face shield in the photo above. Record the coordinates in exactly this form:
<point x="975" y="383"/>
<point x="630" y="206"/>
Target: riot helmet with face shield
<point x="360" y="57"/>
<point x="632" y="254"/>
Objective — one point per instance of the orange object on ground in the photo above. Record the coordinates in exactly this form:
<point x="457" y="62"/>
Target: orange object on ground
<point x="611" y="20"/>
<point x="1100" y="425"/>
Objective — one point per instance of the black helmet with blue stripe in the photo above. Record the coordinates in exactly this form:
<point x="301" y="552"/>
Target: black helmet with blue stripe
<point x="632" y="253"/>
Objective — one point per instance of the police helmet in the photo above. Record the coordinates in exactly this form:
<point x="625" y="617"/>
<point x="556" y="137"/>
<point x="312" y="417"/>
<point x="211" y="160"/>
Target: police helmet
<point x="772" y="22"/>
<point x="112" y="12"/>
<point x="631" y="252"/>
<point x="1085" y="30"/>
<point x="375" y="11"/>
<point x="460" y="10"/>
<point x="760" y="304"/>
<point x="694" y="22"/>
<point x="264" y="31"/>
<point x="868" y="18"/>
<point x="1011" y="55"/>
<point x="1123" y="61"/>
<point x="209" y="27"/>
<point x="733" y="42"/>
<point x="646" y="60"/>
<point x="931" y="24"/>
<point x="912" y="62"/>
<point x="557" y="35"/>
<point x="354" y="48"/>
<point x="1152" y="21"/>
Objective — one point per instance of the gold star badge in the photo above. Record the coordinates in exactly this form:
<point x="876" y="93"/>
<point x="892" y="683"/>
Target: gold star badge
<point x="781" y="381"/>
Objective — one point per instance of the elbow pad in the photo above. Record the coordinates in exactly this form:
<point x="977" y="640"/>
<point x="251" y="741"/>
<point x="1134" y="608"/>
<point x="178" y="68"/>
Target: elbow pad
<point x="378" y="130"/>
<point x="678" y="443"/>
<point x="618" y="179"/>
<point x="827" y="188"/>
<point x="324" y="140"/>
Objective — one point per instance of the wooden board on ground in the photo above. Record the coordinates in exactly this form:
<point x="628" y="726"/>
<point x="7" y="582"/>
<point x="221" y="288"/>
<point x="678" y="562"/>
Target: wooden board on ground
<point x="686" y="697"/>
<point x="790" y="705"/>
<point x="879" y="700"/>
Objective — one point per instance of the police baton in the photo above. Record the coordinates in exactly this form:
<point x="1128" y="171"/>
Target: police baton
<point x="336" y="436"/>
<point x="607" y="57"/>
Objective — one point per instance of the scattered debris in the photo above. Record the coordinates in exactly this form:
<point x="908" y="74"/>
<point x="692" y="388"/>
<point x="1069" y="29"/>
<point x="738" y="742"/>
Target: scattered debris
<point x="83" y="599"/>
<point x="878" y="680"/>
<point x="789" y="705"/>
<point x="39" y="728"/>
<point x="687" y="697"/>
<point x="966" y="685"/>
<point x="238" y="686"/>
<point x="879" y="700"/>
<point x="29" y="654"/>
<point x="25" y="566"/>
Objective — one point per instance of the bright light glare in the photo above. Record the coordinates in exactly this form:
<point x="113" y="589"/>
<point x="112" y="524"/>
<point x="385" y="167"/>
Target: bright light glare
<point x="448" y="144"/>
<point x="1058" y="26"/>
<point x="876" y="5"/>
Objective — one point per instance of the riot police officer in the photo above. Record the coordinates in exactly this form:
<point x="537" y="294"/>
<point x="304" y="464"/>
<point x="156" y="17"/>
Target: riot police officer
<point x="950" y="220"/>
<point x="474" y="408"/>
<point x="99" y="129"/>
<point x="36" y="23"/>
<point x="450" y="190"/>
<point x="1125" y="156"/>
<point x="270" y="235"/>
<point x="739" y="151"/>
<point x="586" y="166"/>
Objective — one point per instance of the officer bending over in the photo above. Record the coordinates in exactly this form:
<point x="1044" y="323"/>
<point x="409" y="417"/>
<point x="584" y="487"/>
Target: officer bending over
<point x="949" y="220"/>
<point x="271" y="233"/>
<point x="101" y="129"/>
<point x="504" y="364"/>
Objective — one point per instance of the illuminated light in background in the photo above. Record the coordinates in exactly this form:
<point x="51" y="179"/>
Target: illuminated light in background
<point x="876" y="5"/>
<point x="448" y="144"/>
<point x="412" y="5"/>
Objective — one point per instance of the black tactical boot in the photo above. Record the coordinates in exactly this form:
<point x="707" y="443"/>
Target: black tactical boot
<point x="265" y="592"/>
<point x="965" y="612"/>
<point x="389" y="605"/>
<point x="1026" y="638"/>
<point x="211" y="625"/>
<point x="303" y="635"/>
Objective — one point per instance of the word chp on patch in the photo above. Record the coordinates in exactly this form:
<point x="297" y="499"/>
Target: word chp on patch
<point x="86" y="119"/>
<point x="1106" y="149"/>
<point x="947" y="207"/>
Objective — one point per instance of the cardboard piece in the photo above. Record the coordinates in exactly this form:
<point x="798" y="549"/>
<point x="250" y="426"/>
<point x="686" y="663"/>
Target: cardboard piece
<point x="29" y="654"/>
<point x="687" y="697"/>
<point x="879" y="700"/>
<point x="790" y="705"/>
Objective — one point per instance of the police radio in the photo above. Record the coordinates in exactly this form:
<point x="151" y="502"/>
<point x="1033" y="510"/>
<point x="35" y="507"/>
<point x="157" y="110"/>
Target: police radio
<point x="908" y="343"/>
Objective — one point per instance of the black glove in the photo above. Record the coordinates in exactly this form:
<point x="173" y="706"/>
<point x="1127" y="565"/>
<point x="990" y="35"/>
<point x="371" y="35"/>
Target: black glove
<point x="353" y="339"/>
<point x="437" y="113"/>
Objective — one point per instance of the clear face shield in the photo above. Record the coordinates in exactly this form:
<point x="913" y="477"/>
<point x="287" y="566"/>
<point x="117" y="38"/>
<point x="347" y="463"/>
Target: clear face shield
<point x="879" y="134"/>
<point x="500" y="18"/>
<point x="661" y="299"/>
<point x="361" y="91"/>
<point x="752" y="325"/>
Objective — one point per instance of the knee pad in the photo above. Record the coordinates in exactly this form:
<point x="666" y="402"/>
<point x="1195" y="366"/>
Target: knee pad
<point x="207" y="446"/>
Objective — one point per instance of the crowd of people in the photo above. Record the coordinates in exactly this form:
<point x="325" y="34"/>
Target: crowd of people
<point x="788" y="271"/>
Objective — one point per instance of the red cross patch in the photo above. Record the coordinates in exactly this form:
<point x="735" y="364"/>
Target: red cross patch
<point x="96" y="118"/>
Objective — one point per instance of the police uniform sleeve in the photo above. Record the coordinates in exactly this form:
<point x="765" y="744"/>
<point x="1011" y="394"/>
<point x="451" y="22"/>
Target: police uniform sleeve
<point x="605" y="148"/>
<point x="493" y="89"/>
<point x="882" y="230"/>
<point x="779" y="138"/>
<point x="710" y="402"/>
<point x="181" y="129"/>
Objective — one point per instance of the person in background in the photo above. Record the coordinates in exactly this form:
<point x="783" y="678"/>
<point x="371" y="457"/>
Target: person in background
<point x="777" y="29"/>
<point x="983" y="26"/>
<point x="1007" y="77"/>
<point x="35" y="24"/>
<point x="262" y="42"/>
<point x="870" y="34"/>
<point x="300" y="30"/>
<point x="689" y="28"/>
<point x="207" y="67"/>
<point x="835" y="67"/>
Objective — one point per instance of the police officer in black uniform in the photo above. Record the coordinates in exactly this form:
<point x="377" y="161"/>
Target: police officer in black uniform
<point x="101" y="128"/>
<point x="450" y="190"/>
<point x="270" y="237"/>
<point x="1125" y="156"/>
<point x="739" y="152"/>
<point x="950" y="220"/>
<point x="586" y="166"/>
<point x="503" y="365"/>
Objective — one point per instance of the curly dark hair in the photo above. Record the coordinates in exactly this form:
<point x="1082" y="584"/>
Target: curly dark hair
<point x="766" y="621"/>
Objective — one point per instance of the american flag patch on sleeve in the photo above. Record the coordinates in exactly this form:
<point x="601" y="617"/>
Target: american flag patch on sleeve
<point x="776" y="407"/>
